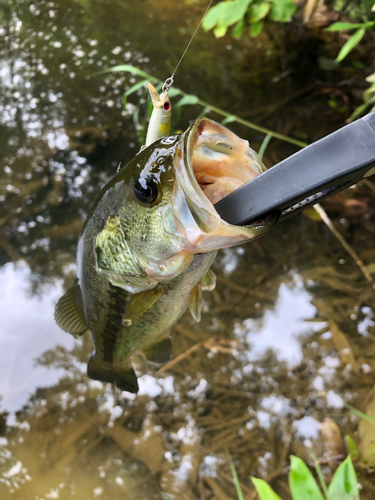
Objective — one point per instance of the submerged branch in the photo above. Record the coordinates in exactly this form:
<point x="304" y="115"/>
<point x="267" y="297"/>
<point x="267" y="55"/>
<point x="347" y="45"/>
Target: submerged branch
<point x="320" y="210"/>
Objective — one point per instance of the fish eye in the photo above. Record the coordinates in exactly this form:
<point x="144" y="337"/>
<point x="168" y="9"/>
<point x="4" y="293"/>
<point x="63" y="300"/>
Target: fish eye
<point x="167" y="106"/>
<point x="146" y="193"/>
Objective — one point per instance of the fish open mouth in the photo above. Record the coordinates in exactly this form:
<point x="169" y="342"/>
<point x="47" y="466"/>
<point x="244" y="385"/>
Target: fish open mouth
<point x="220" y="161"/>
<point x="213" y="163"/>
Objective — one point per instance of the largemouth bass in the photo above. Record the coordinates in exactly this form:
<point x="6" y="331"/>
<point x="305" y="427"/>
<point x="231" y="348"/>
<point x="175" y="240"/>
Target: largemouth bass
<point x="146" y="247"/>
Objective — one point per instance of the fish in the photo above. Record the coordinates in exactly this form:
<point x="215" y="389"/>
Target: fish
<point x="160" y="120"/>
<point x="146" y="247"/>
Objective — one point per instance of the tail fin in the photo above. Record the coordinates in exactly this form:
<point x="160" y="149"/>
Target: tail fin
<point x="123" y="377"/>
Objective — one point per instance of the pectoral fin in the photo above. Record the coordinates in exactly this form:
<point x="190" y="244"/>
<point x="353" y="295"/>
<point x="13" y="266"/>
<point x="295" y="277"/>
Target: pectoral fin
<point x="69" y="312"/>
<point x="140" y="303"/>
<point x="208" y="281"/>
<point x="159" y="353"/>
<point x="195" y="304"/>
<point x="124" y="378"/>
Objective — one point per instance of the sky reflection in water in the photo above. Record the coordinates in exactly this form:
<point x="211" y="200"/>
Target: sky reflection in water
<point x="27" y="330"/>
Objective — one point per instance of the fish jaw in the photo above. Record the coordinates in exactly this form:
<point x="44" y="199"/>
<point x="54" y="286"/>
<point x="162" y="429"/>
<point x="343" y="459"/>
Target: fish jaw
<point x="138" y="245"/>
<point x="211" y="163"/>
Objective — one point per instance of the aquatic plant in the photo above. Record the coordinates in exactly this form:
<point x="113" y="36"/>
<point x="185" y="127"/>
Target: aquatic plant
<point x="353" y="41"/>
<point x="303" y="485"/>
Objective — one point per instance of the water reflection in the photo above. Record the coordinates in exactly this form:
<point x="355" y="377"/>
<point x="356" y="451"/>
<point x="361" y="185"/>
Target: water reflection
<point x="27" y="330"/>
<point x="285" y="338"/>
<point x="280" y="328"/>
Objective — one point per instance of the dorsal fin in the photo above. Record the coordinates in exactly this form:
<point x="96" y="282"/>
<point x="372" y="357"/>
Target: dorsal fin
<point x="159" y="353"/>
<point x="140" y="303"/>
<point x="69" y="313"/>
<point x="195" y="303"/>
<point x="209" y="281"/>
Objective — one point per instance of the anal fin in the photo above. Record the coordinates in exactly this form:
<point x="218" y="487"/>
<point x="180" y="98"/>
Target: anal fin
<point x="123" y="377"/>
<point x="159" y="353"/>
<point x="69" y="312"/>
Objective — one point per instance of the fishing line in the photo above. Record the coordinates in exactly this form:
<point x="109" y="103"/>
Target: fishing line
<point x="169" y="81"/>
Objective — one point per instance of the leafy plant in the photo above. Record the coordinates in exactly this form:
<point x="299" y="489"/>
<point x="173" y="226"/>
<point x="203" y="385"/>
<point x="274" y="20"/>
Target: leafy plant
<point x="368" y="98"/>
<point x="303" y="485"/>
<point x="360" y="30"/>
<point x="353" y="41"/>
<point x="246" y="13"/>
<point x="187" y="99"/>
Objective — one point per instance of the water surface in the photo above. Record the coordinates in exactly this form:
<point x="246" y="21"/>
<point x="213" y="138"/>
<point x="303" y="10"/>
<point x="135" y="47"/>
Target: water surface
<point x="286" y="337"/>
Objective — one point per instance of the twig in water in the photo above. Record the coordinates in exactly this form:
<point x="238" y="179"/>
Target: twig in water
<point x="212" y="344"/>
<point x="178" y="359"/>
<point x="320" y="210"/>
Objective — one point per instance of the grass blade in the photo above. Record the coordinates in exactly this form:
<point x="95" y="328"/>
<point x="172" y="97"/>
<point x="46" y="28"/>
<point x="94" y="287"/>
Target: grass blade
<point x="264" y="145"/>
<point x="359" y="414"/>
<point x="350" y="44"/>
<point x="320" y="476"/>
<point x="234" y="474"/>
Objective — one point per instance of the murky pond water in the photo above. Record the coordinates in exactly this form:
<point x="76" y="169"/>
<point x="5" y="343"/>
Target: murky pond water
<point x="286" y="337"/>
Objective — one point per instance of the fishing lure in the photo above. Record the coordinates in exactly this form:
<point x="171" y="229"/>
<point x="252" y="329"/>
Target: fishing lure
<point x="160" y="121"/>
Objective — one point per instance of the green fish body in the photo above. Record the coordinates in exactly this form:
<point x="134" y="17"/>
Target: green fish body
<point x="145" y="250"/>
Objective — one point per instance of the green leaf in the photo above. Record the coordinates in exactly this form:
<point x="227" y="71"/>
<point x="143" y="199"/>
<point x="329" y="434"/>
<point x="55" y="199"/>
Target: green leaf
<point x="301" y="482"/>
<point x="220" y="30"/>
<point x="357" y="112"/>
<point x="350" y="44"/>
<point x="264" y="491"/>
<point x="233" y="11"/>
<point x="259" y="11"/>
<point x="360" y="414"/>
<point x="172" y="92"/>
<point x="229" y="119"/>
<point x="135" y="87"/>
<point x="282" y="10"/>
<point x="351" y="446"/>
<point x="187" y="99"/>
<point x="343" y="26"/>
<point x="239" y="29"/>
<point x="368" y="94"/>
<point x="129" y="69"/>
<point x="344" y="483"/>
<point x="212" y="17"/>
<point x="256" y="29"/>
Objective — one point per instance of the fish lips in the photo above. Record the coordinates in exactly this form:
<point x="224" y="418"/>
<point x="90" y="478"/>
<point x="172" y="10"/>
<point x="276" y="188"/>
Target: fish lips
<point x="210" y="151"/>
